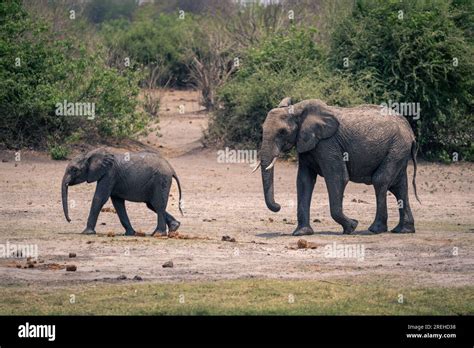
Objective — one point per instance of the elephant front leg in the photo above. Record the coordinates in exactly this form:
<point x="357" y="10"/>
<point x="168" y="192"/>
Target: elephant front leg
<point x="101" y="195"/>
<point x="305" y="182"/>
<point x="119" y="205"/>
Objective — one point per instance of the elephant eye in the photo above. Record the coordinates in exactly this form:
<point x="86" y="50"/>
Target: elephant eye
<point x="282" y="132"/>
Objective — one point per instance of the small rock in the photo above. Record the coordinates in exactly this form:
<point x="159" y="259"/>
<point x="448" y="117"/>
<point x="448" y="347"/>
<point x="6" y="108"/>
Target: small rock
<point x="71" y="255"/>
<point x="228" y="239"/>
<point x="122" y="277"/>
<point x="138" y="278"/>
<point x="168" y="264"/>
<point x="317" y="221"/>
<point x="71" y="268"/>
<point x="110" y="234"/>
<point x="270" y="219"/>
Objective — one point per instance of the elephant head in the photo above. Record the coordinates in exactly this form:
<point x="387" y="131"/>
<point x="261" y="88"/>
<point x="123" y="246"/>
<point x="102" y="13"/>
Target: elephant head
<point x="90" y="167"/>
<point x="302" y="125"/>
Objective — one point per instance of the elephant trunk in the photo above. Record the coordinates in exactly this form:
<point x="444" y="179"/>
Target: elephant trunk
<point x="64" y="191"/>
<point x="267" y="159"/>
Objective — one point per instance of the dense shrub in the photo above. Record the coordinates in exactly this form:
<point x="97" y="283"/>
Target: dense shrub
<point x="413" y="59"/>
<point x="290" y="64"/>
<point x="98" y="11"/>
<point x="150" y="42"/>
<point x="37" y="72"/>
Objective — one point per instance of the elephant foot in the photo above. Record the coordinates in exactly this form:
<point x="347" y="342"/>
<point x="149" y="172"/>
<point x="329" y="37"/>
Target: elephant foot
<point x="88" y="231"/>
<point x="174" y="225"/>
<point x="303" y="231"/>
<point x="351" y="228"/>
<point x="129" y="233"/>
<point x="378" y="227"/>
<point x="407" y="228"/>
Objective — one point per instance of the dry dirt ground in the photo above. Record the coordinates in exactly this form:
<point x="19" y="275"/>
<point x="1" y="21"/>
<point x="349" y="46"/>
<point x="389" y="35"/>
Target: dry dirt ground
<point x="225" y="199"/>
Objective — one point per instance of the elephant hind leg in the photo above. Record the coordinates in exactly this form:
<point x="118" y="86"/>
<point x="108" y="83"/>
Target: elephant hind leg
<point x="400" y="190"/>
<point x="336" y="186"/>
<point x="387" y="172"/>
<point x="159" y="202"/>
<point x="380" y="223"/>
<point x="171" y="221"/>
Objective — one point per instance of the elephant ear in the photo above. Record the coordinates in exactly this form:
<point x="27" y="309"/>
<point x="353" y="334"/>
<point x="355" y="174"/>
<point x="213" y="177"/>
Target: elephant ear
<point x="285" y="102"/>
<point x="98" y="164"/>
<point x="318" y="123"/>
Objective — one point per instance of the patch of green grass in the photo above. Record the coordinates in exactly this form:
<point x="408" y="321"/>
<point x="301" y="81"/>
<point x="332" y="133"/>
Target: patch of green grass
<point x="58" y="152"/>
<point x="239" y="297"/>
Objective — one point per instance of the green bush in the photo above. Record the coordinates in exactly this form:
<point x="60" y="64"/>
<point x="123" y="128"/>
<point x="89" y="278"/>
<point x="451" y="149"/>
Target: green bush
<point x="413" y="59"/>
<point x="58" y="152"/>
<point x="151" y="42"/>
<point x="289" y="64"/>
<point x="98" y="11"/>
<point x="37" y="72"/>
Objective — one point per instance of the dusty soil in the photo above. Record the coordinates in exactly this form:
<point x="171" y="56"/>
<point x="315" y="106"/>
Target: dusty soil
<point x="226" y="200"/>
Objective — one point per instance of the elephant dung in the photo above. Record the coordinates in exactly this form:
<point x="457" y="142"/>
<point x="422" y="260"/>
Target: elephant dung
<point x="71" y="268"/>
<point x="304" y="244"/>
<point x="108" y="210"/>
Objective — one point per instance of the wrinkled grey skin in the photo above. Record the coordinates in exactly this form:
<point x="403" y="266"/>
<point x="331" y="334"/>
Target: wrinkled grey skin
<point x="377" y="149"/>
<point x="136" y="177"/>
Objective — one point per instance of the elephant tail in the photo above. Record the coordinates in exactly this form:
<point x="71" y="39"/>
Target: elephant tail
<point x="414" y="150"/>
<point x="180" y="204"/>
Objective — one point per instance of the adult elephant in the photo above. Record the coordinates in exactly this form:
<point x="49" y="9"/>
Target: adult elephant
<point x="357" y="144"/>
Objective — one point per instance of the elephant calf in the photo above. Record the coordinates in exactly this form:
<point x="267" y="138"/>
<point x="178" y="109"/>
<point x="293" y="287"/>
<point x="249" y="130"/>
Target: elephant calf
<point x="341" y="144"/>
<point x="136" y="177"/>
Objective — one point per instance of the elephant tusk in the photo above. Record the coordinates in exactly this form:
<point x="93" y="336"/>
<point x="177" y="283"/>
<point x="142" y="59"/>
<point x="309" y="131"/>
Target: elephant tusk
<point x="257" y="166"/>
<point x="271" y="164"/>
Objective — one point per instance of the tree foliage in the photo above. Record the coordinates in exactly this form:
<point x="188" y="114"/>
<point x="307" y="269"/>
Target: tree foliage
<point x="415" y="52"/>
<point x="36" y="73"/>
